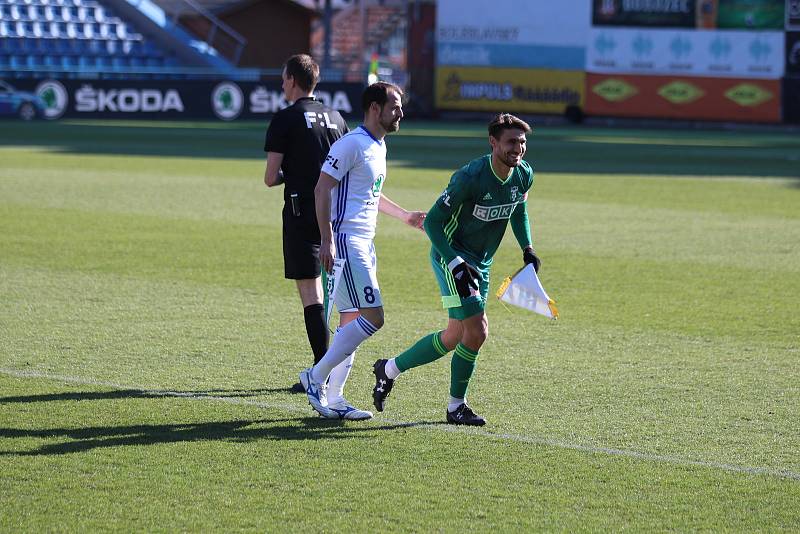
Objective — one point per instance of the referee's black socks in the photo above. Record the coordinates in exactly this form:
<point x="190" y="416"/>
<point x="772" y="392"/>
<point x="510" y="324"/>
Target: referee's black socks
<point x="317" y="330"/>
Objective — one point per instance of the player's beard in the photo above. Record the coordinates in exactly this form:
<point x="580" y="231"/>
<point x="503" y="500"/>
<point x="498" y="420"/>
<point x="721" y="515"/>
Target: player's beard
<point x="512" y="161"/>
<point x="392" y="125"/>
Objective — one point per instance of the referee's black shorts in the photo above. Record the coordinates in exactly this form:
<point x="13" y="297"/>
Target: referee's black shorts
<point x="301" y="241"/>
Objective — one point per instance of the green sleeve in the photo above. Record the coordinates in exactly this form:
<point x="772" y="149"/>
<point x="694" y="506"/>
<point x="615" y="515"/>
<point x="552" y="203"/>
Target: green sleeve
<point x="447" y="206"/>
<point x="519" y="219"/>
<point x="434" y="227"/>
<point x="521" y="225"/>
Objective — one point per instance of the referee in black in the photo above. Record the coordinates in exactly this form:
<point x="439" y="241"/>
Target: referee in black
<point x="297" y="141"/>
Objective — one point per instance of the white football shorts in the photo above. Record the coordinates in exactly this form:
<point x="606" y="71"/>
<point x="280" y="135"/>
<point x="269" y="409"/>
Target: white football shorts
<point x="358" y="286"/>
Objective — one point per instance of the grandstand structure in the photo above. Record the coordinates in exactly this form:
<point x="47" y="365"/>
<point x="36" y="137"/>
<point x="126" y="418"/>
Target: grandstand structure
<point x="131" y="39"/>
<point x="193" y="39"/>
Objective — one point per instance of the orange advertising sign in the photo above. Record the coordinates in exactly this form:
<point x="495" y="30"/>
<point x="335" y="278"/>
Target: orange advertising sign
<point x="675" y="97"/>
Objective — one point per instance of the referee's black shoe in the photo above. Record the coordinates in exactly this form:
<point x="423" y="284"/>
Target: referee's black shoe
<point x="297" y="388"/>
<point x="463" y="415"/>
<point x="383" y="385"/>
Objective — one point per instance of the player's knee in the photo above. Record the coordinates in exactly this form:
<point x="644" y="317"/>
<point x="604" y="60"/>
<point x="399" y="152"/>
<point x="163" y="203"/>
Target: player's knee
<point x="374" y="316"/>
<point x="475" y="332"/>
<point x="451" y="336"/>
<point x="474" y="339"/>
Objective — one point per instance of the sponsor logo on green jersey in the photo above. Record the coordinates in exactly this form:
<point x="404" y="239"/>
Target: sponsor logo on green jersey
<point x="493" y="213"/>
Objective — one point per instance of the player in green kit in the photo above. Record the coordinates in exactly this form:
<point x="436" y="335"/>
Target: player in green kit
<point x="465" y="226"/>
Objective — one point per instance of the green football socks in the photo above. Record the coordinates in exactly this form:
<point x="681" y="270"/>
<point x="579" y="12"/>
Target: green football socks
<point x="426" y="350"/>
<point x="461" y="367"/>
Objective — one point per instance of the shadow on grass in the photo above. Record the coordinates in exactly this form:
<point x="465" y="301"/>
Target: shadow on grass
<point x="302" y="427"/>
<point x="140" y="394"/>
<point x="237" y="431"/>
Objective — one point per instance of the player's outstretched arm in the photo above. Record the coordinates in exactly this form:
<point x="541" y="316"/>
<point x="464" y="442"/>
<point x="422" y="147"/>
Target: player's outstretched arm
<point x="392" y="209"/>
<point x="322" y="200"/>
<point x="272" y="174"/>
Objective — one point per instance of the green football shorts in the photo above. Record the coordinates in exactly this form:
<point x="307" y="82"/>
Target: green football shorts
<point x="458" y="308"/>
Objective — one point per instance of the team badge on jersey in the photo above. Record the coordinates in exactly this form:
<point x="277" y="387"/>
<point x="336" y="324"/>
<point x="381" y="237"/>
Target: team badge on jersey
<point x="376" y="187"/>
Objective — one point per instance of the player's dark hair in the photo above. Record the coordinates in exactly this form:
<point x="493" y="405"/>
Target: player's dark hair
<point x="378" y="92"/>
<point x="304" y="70"/>
<point x="506" y="121"/>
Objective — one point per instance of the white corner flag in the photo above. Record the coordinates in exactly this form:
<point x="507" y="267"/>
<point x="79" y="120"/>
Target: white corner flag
<point x="524" y="289"/>
<point x="333" y="285"/>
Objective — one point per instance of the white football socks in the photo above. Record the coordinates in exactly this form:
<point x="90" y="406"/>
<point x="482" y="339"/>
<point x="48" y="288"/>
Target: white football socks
<point x="454" y="403"/>
<point x="391" y="369"/>
<point x="345" y="342"/>
<point x="338" y="378"/>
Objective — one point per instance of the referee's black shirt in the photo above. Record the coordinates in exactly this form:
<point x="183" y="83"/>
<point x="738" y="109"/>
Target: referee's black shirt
<point x="303" y="133"/>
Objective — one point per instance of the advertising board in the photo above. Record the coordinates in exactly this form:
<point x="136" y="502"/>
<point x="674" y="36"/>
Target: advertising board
<point x="793" y="14"/>
<point x="673" y="97"/>
<point x="791" y="100"/>
<point x="511" y="90"/>
<point x="793" y="54"/>
<point x="724" y="53"/>
<point x="530" y="34"/>
<point x="750" y="14"/>
<point x="669" y="13"/>
<point x="179" y="99"/>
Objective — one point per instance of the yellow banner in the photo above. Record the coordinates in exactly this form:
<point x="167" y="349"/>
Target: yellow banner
<point x="508" y="90"/>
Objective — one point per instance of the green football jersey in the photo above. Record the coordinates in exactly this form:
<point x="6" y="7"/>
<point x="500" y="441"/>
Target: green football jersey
<point x="476" y="208"/>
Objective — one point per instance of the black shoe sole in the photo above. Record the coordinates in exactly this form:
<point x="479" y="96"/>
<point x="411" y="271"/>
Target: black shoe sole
<point x="465" y="423"/>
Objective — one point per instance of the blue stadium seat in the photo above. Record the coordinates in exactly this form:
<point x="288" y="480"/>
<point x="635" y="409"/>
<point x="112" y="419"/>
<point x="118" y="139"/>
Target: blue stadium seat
<point x="13" y="45"/>
<point x="86" y="62"/>
<point x="16" y="62"/>
<point x="63" y="46"/>
<point x="51" y="61"/>
<point x="48" y="46"/>
<point x="68" y="62"/>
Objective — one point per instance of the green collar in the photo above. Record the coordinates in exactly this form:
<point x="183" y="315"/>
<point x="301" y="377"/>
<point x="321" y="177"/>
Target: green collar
<point x="502" y="181"/>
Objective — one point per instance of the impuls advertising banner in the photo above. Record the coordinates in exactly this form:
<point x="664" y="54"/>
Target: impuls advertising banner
<point x="512" y="90"/>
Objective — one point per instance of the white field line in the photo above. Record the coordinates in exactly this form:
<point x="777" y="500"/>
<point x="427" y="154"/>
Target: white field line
<point x="676" y="460"/>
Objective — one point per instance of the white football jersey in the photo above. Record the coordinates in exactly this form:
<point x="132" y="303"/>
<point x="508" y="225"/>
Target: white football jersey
<point x="358" y="162"/>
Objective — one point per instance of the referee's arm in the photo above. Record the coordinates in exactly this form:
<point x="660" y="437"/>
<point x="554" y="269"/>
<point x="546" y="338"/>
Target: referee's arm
<point x="272" y="174"/>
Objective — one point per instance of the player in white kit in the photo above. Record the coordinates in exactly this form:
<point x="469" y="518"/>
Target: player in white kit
<point x="348" y="197"/>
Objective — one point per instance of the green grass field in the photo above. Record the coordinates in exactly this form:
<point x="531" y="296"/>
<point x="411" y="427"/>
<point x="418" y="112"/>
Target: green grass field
<point x="147" y="338"/>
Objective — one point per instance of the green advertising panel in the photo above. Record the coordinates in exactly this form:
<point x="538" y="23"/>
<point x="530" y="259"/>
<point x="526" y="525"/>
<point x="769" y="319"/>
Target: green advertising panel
<point x="751" y="14"/>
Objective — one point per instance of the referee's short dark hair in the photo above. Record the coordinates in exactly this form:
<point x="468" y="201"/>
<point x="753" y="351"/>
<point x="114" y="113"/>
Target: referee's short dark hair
<point x="378" y="92"/>
<point x="304" y="70"/>
<point x="506" y="121"/>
